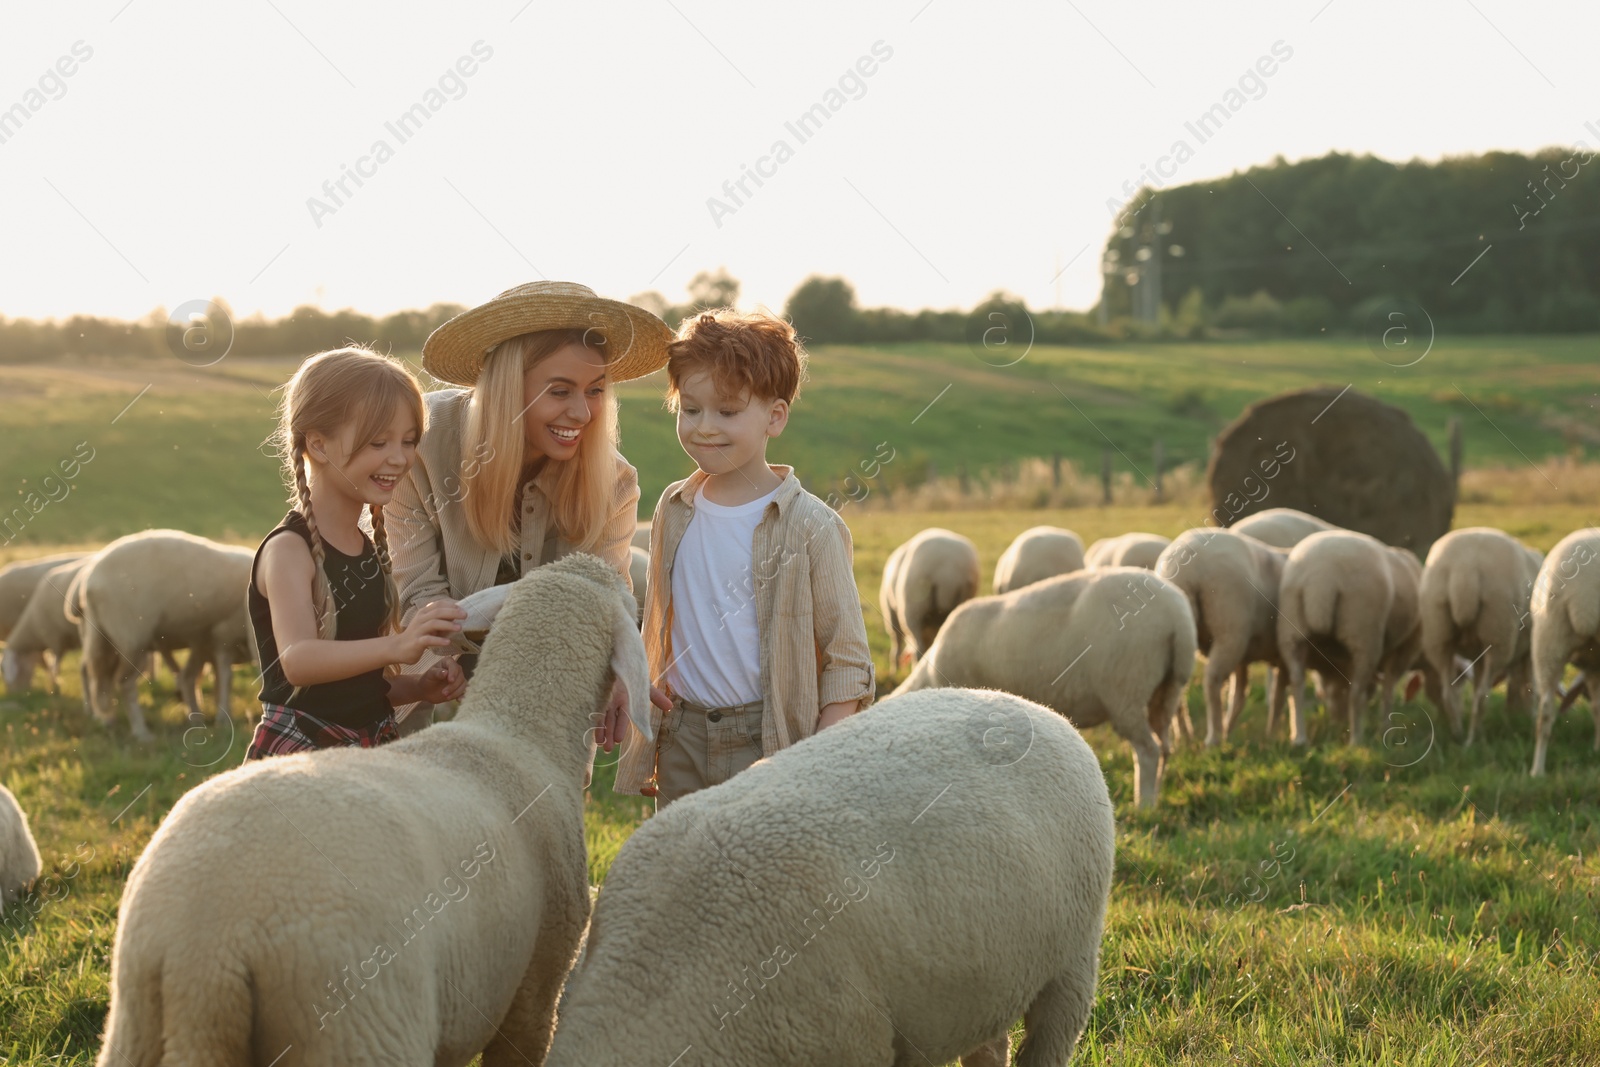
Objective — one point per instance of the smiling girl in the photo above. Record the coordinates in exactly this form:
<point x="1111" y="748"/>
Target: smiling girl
<point x="520" y="466"/>
<point x="323" y="603"/>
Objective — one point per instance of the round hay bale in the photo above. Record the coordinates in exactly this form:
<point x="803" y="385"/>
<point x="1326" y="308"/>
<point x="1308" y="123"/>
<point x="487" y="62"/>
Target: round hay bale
<point x="1350" y="460"/>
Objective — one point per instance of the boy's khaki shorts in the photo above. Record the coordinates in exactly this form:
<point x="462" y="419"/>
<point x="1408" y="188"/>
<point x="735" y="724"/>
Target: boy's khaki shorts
<point x="701" y="747"/>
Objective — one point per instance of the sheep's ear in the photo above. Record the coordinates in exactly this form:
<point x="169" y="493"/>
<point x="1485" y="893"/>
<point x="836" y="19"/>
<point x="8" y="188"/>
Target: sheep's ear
<point x="632" y="668"/>
<point x="481" y="608"/>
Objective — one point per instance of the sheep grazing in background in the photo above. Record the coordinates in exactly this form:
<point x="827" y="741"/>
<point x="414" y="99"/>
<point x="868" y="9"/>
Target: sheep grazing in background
<point x="1566" y="629"/>
<point x="1281" y="527"/>
<point x="1402" y="635"/>
<point x="1477" y="592"/>
<point x="18" y="581"/>
<point x="1231" y="581"/>
<point x="925" y="579"/>
<point x="906" y="915"/>
<point x="1038" y="553"/>
<point x="160" y="590"/>
<point x="639" y="574"/>
<point x="1114" y="645"/>
<point x="1127" y="550"/>
<point x="43" y="632"/>
<point x="362" y="945"/>
<point x="641" y="536"/>
<point x="19" y="856"/>
<point x="1339" y="613"/>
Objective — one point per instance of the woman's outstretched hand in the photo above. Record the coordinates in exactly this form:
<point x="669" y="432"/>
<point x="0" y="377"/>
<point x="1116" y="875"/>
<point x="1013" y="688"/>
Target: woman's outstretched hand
<point x="614" y="721"/>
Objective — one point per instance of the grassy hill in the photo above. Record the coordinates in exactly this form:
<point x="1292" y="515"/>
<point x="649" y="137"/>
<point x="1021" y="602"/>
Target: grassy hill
<point x="187" y="452"/>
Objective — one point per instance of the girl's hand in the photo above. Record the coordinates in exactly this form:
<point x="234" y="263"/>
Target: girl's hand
<point x="429" y="628"/>
<point x="442" y="682"/>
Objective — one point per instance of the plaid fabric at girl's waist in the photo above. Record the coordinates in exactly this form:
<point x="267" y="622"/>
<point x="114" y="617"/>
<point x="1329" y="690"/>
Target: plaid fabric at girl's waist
<point x="284" y="730"/>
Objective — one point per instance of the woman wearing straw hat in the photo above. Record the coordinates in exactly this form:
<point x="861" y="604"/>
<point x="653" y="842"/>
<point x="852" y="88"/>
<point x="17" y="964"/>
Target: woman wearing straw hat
<point x="520" y="466"/>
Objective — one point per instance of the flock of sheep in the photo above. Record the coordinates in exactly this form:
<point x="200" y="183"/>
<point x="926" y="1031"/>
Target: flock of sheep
<point x="452" y="913"/>
<point x="147" y="594"/>
<point x="445" y="919"/>
<point x="1110" y="635"/>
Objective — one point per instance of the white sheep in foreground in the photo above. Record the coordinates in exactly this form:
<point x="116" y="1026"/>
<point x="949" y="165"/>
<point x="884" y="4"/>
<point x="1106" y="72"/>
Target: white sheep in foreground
<point x="161" y="590"/>
<point x="1477" y="591"/>
<point x="43" y="632"/>
<point x="362" y="945"/>
<point x="1131" y="629"/>
<point x="1566" y="629"/>
<point x="908" y="915"/>
<point x="1340" y="614"/>
<point x="1231" y="581"/>
<point x="1127" y="550"/>
<point x="19" y="856"/>
<point x="639" y="572"/>
<point x="924" y="580"/>
<point x="1038" y="553"/>
<point x="18" y="581"/>
<point x="1281" y="527"/>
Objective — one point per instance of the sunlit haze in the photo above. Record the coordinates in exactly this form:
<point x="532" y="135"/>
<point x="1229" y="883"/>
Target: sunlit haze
<point x="930" y="152"/>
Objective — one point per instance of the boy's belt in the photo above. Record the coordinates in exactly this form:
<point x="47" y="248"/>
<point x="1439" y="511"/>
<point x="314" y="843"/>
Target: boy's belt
<point x="715" y="714"/>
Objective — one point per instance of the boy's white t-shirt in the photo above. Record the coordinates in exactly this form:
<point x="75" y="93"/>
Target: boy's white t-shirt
<point x="716" y="640"/>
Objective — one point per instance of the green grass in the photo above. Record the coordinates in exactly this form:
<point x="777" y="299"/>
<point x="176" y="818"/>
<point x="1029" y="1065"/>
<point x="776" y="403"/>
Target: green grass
<point x="1404" y="901"/>
<point x="187" y="455"/>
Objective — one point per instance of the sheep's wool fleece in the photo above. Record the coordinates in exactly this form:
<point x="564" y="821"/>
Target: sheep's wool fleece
<point x="262" y="915"/>
<point x="920" y="874"/>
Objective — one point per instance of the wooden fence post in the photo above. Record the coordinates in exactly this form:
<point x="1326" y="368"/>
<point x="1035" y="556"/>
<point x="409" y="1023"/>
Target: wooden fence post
<point x="1159" y="459"/>
<point x="1455" y="457"/>
<point x="1105" y="477"/>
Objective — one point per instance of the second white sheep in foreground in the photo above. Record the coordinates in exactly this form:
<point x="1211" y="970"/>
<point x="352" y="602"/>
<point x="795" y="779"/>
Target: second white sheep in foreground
<point x="904" y="916"/>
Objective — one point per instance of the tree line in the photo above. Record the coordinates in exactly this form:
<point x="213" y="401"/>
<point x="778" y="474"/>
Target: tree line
<point x="1494" y="243"/>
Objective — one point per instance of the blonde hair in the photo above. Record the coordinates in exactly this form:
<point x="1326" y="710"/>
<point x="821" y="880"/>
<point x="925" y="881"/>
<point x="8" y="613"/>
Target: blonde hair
<point x="331" y="392"/>
<point x="585" y="485"/>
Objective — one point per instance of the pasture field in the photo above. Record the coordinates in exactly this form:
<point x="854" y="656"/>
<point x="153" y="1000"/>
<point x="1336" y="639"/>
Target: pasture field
<point x="1405" y="901"/>
<point x="186" y="453"/>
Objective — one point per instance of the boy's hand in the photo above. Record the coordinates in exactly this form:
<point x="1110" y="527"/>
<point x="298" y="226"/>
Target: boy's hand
<point x="429" y="628"/>
<point x="443" y="682"/>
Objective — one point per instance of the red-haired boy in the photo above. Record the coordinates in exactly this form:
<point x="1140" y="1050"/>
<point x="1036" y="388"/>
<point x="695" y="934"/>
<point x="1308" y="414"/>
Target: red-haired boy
<point x="752" y="619"/>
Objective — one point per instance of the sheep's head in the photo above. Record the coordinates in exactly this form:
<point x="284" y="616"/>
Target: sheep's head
<point x="588" y="590"/>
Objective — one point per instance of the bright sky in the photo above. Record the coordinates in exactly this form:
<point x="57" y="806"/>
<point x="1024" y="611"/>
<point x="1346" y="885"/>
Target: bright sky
<point x="177" y="160"/>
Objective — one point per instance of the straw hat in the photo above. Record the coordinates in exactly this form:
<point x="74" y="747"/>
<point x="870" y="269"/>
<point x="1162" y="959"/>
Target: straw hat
<point x="636" y="341"/>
